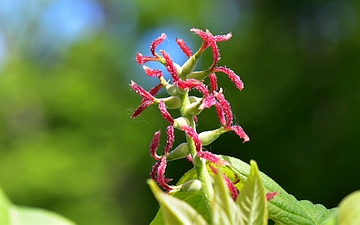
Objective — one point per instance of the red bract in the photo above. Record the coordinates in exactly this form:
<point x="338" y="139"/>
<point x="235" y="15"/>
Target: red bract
<point x="231" y="74"/>
<point x="193" y="135"/>
<point x="184" y="47"/>
<point x="154" y="145"/>
<point x="165" y="113"/>
<point x="170" y="66"/>
<point x="155" y="43"/>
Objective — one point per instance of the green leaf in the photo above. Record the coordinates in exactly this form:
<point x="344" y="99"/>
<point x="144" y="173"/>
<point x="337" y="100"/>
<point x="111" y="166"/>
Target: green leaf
<point x="4" y="208"/>
<point x="284" y="208"/>
<point x="224" y="209"/>
<point x="174" y="210"/>
<point x="349" y="209"/>
<point x="18" y="215"/>
<point x="27" y="215"/>
<point x="252" y="198"/>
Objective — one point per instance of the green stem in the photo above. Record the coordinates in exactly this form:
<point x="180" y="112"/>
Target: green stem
<point x="202" y="172"/>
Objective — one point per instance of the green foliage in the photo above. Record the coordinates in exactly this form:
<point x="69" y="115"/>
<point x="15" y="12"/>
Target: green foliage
<point x="250" y="207"/>
<point x="283" y="209"/>
<point x="17" y="215"/>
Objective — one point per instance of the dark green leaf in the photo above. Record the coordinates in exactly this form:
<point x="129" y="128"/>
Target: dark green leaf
<point x="284" y="208"/>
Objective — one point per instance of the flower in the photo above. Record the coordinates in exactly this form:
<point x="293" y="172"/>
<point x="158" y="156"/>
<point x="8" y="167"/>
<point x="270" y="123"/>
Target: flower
<point x="148" y="97"/>
<point x="185" y="79"/>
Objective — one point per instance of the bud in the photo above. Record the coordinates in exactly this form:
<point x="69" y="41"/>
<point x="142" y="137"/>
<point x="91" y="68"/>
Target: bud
<point x="172" y="89"/>
<point x="191" y="186"/>
<point x="193" y="108"/>
<point x="172" y="102"/>
<point x="179" y="152"/>
<point x="198" y="75"/>
<point x="181" y="121"/>
<point x="207" y="137"/>
<point x="190" y="64"/>
<point x="193" y="99"/>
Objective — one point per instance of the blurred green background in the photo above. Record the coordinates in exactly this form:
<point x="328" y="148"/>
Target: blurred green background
<point x="67" y="142"/>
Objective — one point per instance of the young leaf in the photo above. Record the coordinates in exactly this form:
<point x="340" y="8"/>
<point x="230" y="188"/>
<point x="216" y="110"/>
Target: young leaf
<point x="15" y="215"/>
<point x="349" y="209"/>
<point x="284" y="208"/>
<point x="28" y="215"/>
<point x="252" y="198"/>
<point x="175" y="211"/>
<point x="224" y="209"/>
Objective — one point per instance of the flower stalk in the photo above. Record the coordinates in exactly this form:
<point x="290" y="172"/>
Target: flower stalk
<point x="184" y="79"/>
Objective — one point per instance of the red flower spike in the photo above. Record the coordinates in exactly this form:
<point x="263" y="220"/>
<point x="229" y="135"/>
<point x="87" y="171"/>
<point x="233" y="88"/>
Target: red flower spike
<point x="170" y="66"/>
<point x="144" y="59"/>
<point x="151" y="72"/>
<point x="156" y="42"/>
<point x="225" y="105"/>
<point x="271" y="195"/>
<point x="240" y="132"/>
<point x="170" y="138"/>
<point x="213" y="83"/>
<point x="165" y="113"/>
<point x="193" y="135"/>
<point x="162" y="181"/>
<point x="154" y="145"/>
<point x="232" y="75"/>
<point x="184" y="47"/>
<point x="141" y="91"/>
<point x="208" y="156"/>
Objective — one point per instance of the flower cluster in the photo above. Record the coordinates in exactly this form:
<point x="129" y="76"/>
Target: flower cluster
<point x="184" y="79"/>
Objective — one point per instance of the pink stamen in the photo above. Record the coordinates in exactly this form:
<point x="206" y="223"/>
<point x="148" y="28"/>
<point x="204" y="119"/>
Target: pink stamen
<point x="193" y="135"/>
<point x="155" y="145"/>
<point x="156" y="42"/>
<point x="165" y="113"/>
<point x="184" y="47"/>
